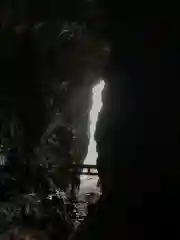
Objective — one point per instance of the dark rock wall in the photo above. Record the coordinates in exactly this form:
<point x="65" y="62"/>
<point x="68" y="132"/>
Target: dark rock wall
<point x="138" y="134"/>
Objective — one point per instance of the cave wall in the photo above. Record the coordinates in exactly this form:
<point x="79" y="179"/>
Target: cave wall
<point x="137" y="131"/>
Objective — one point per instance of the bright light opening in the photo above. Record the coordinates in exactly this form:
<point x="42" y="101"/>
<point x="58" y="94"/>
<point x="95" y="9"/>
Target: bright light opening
<point x="93" y="117"/>
<point x="89" y="183"/>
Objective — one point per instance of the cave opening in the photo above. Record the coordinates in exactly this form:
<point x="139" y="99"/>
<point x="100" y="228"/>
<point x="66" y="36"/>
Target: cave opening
<point x="97" y="105"/>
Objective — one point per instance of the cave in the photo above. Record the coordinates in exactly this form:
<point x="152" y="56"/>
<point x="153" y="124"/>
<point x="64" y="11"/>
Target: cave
<point x="49" y="62"/>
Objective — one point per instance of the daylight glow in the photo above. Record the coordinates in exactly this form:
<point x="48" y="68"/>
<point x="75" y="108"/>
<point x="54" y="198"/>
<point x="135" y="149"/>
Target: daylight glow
<point x="93" y="117"/>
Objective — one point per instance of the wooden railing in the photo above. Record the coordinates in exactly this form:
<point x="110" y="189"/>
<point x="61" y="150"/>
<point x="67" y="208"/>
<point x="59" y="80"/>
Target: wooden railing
<point x="84" y="169"/>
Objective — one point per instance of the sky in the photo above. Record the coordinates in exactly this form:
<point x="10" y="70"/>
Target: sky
<point x="97" y="104"/>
